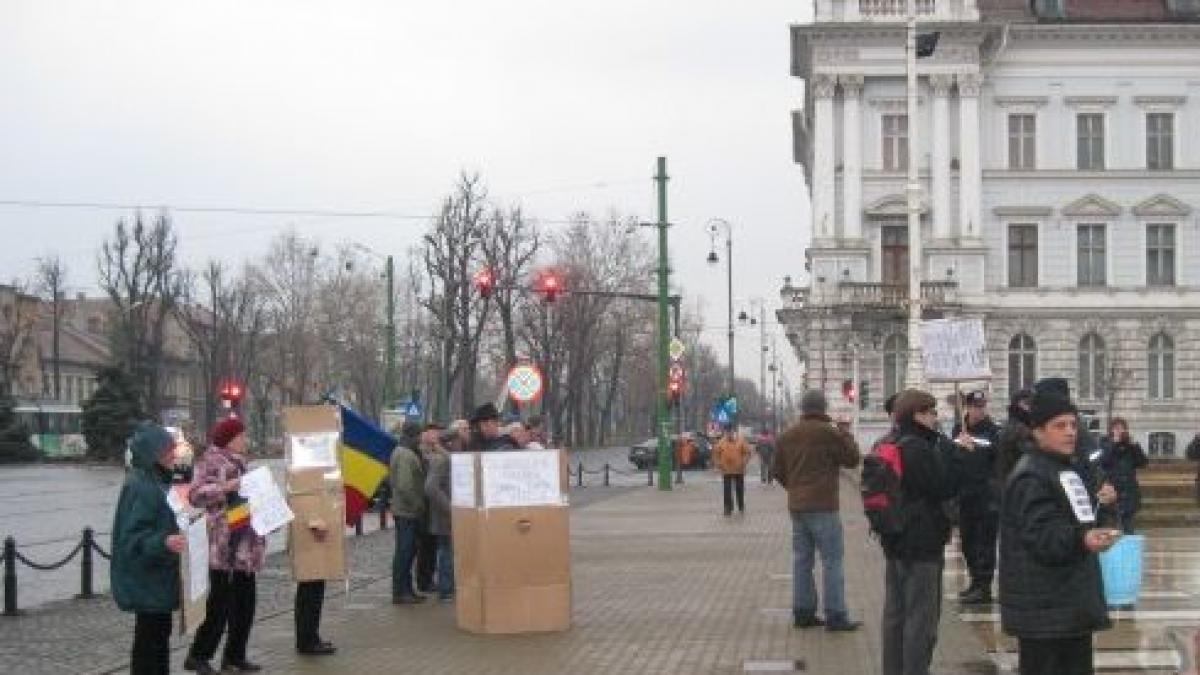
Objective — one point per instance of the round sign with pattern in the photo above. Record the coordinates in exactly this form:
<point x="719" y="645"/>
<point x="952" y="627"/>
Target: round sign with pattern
<point x="524" y="383"/>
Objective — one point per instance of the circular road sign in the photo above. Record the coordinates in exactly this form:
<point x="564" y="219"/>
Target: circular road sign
<point x="524" y="383"/>
<point x="676" y="349"/>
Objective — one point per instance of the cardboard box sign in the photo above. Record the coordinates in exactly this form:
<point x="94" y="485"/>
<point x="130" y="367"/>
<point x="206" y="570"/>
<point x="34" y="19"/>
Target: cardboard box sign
<point x="512" y="563"/>
<point x="315" y="494"/>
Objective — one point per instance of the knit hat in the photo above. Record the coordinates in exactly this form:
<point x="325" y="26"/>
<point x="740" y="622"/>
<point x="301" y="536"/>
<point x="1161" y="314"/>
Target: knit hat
<point x="1053" y="385"/>
<point x="487" y="411"/>
<point x="1048" y="405"/>
<point x="226" y="430"/>
<point x="911" y="402"/>
<point x="814" y="402"/>
<point x="148" y="442"/>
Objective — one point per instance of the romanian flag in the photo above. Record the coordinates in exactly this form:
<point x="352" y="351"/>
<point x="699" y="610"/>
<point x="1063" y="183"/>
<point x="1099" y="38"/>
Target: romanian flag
<point x="366" y="452"/>
<point x="237" y="516"/>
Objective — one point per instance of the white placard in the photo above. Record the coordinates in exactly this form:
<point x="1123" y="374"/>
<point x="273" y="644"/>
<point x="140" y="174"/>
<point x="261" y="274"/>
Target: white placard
<point x="524" y="478"/>
<point x="462" y="480"/>
<point x="1077" y="494"/>
<point x="197" y="552"/>
<point x="268" y="509"/>
<point x="954" y="350"/>
<point x="310" y="451"/>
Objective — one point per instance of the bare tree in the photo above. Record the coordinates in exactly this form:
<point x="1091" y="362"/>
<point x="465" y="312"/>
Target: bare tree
<point x="351" y="316"/>
<point x="509" y="247"/>
<point x="52" y="282"/>
<point x="289" y="281"/>
<point x="140" y="274"/>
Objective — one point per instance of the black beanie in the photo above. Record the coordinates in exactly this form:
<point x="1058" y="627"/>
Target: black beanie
<point x="1053" y="385"/>
<point x="1045" y="406"/>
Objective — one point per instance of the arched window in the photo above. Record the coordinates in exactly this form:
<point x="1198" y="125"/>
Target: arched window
<point x="1091" y="367"/>
<point x="1022" y="362"/>
<point x="1160" y="383"/>
<point x="895" y="362"/>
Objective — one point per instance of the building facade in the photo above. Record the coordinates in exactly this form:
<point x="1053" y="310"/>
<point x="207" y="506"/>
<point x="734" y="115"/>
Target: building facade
<point x="1059" y="160"/>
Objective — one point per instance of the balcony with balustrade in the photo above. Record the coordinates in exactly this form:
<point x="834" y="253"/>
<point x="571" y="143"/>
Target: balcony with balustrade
<point x="893" y="11"/>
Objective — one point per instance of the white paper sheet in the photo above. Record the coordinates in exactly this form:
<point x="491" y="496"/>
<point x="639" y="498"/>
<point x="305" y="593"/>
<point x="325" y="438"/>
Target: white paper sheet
<point x="462" y="480"/>
<point x="197" y="552"/>
<point x="268" y="509"/>
<point x="314" y="450"/>
<point x="525" y="478"/>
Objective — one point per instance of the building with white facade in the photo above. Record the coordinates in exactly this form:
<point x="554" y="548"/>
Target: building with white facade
<point x="1059" y="155"/>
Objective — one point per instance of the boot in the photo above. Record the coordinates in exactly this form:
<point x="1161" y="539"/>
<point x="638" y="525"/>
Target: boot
<point x="977" y="594"/>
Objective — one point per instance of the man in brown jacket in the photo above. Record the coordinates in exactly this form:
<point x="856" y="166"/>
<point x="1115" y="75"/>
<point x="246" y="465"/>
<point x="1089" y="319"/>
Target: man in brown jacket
<point x="730" y="457"/>
<point x="808" y="459"/>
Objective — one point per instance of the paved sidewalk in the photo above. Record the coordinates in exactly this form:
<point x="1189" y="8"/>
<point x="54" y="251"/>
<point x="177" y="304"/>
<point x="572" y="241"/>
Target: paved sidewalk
<point x="663" y="584"/>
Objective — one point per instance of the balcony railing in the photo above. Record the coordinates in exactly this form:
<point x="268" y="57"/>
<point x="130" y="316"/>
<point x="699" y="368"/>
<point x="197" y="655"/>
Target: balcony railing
<point x="881" y="296"/>
<point x="891" y="11"/>
<point x="893" y="8"/>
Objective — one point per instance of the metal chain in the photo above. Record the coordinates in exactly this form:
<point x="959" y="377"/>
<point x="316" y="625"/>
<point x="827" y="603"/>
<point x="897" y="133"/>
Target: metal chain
<point x="46" y="568"/>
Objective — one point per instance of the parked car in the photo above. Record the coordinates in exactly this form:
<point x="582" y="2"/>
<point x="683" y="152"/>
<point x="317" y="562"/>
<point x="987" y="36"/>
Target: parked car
<point x="691" y="450"/>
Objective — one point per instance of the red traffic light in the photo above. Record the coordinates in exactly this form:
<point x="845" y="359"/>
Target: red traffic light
<point x="848" y="391"/>
<point x="549" y="285"/>
<point x="675" y="386"/>
<point x="231" y="393"/>
<point x="484" y="282"/>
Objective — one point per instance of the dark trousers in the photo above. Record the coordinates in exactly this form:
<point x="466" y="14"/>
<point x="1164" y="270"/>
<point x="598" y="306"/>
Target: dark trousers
<point x="310" y="596"/>
<point x="231" y="601"/>
<point x="402" y="560"/>
<point x="734" y="483"/>
<point x="151" y="644"/>
<point x="979" y="526"/>
<point x="426" y="564"/>
<point x="764" y="467"/>
<point x="912" y="607"/>
<point x="1063" y="656"/>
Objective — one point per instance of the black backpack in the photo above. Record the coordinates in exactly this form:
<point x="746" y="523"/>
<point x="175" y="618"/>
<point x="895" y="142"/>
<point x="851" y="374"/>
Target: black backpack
<point x="882" y="497"/>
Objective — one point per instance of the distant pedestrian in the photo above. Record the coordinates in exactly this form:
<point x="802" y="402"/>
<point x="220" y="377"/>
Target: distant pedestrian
<point x="1051" y="593"/>
<point x="1121" y="460"/>
<point x="765" y="444"/>
<point x="236" y="554"/>
<point x="808" y="460"/>
<point x="977" y="438"/>
<point x="485" y="430"/>
<point x="437" y="489"/>
<point x="146" y="544"/>
<point x="916" y="556"/>
<point x="732" y="454"/>
<point x="407" y="478"/>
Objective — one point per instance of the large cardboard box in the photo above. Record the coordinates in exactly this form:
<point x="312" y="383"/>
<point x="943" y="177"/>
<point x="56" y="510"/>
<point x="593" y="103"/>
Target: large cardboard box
<point x="315" y="493"/>
<point x="511" y="528"/>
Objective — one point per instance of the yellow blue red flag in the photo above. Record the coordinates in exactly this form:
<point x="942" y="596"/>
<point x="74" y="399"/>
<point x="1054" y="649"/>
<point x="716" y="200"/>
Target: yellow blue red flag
<point x="366" y="452"/>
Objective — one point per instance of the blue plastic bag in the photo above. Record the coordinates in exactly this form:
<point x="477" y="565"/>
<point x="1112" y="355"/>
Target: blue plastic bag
<point x="1121" y="567"/>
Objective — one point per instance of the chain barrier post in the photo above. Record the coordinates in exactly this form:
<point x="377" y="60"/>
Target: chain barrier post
<point x="606" y="474"/>
<point x="10" y="577"/>
<point x="678" y="472"/>
<point x="579" y="479"/>
<point x="650" y="476"/>
<point x="85" y="567"/>
<point x="382" y="517"/>
<point x="358" y="528"/>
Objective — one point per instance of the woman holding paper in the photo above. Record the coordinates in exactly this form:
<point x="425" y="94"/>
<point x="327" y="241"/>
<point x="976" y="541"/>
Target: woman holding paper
<point x="236" y="553"/>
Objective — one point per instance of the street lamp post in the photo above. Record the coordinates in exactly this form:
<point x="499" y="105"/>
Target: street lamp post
<point x="913" y="376"/>
<point x="713" y="259"/>
<point x="761" y="320"/>
<point x="389" y="374"/>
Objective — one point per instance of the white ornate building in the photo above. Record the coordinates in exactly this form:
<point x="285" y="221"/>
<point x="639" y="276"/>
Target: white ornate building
<point x="1059" y="153"/>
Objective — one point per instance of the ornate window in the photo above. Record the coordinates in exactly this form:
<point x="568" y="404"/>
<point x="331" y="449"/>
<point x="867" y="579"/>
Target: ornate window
<point x="1022" y="256"/>
<point x="1160" y="383"/>
<point x="895" y="362"/>
<point x="1160" y="141"/>
<point x="1089" y="141"/>
<point x="1091" y="367"/>
<point x="1160" y="254"/>
<point x="1022" y="362"/>
<point x="1022" y="141"/>
<point x="1162" y="444"/>
<point x="895" y="142"/>
<point x="1091" y="262"/>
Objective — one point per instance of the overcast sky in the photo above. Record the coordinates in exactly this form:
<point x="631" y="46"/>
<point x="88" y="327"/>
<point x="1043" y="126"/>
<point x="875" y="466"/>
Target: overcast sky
<point x="561" y="105"/>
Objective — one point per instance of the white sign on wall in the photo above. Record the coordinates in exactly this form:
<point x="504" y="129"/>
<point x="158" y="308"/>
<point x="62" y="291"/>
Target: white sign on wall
<point x="462" y="480"/>
<point x="954" y="350"/>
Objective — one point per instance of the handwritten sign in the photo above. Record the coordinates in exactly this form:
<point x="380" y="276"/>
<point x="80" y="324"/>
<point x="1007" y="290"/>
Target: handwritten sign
<point x="462" y="480"/>
<point x="310" y="451"/>
<point x="197" y="559"/>
<point x="954" y="350"/>
<point x="268" y="509"/>
<point x="526" y="478"/>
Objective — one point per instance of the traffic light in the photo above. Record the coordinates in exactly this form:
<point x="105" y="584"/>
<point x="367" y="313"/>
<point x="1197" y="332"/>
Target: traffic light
<point x="848" y="392"/>
<point x="864" y="394"/>
<point x="485" y="282"/>
<point x="230" y="394"/>
<point x="549" y="285"/>
<point x="675" y="386"/>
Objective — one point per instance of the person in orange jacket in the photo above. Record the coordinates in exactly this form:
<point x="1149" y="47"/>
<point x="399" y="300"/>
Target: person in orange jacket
<point x="730" y="457"/>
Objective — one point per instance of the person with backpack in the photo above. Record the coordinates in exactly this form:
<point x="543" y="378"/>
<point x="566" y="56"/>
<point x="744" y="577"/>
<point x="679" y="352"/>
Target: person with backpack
<point x="977" y="439"/>
<point x="1051" y="592"/>
<point x="807" y="463"/>
<point x="915" y="547"/>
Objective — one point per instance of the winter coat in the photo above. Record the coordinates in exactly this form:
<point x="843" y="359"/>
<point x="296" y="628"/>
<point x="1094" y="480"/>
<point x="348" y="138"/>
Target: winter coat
<point x="1050" y="584"/>
<point x="1014" y="441"/>
<point x="241" y="550"/>
<point x="144" y="574"/>
<point x="807" y="462"/>
<point x="437" y="489"/>
<point x="930" y="479"/>
<point x="1120" y="463"/>
<point x="977" y="467"/>
<point x="407" y="479"/>
<point x="731" y="455"/>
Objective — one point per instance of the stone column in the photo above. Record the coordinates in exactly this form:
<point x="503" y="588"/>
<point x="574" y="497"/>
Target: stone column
<point x="970" y="181"/>
<point x="822" y="89"/>
<point x="852" y="86"/>
<point x="940" y="158"/>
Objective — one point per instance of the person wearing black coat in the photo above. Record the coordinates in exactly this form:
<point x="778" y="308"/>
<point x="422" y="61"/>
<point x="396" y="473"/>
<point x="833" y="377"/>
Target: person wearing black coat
<point x="1014" y="438"/>
<point x="979" y="496"/>
<point x="1121" y="459"/>
<point x="915" y="557"/>
<point x="1051" y="592"/>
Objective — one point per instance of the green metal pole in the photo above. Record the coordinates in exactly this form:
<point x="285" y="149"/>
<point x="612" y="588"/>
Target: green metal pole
<point x="389" y="376"/>
<point x="664" y="419"/>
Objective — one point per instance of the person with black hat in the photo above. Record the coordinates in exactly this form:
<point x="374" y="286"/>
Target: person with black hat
<point x="1088" y="457"/>
<point x="1051" y="593"/>
<point x="977" y="438"/>
<point x="485" y="430"/>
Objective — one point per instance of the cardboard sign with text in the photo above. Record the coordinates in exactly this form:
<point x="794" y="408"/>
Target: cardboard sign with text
<point x="193" y="575"/>
<point x="954" y="350"/>
<point x="316" y="537"/>
<point x="512" y="550"/>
